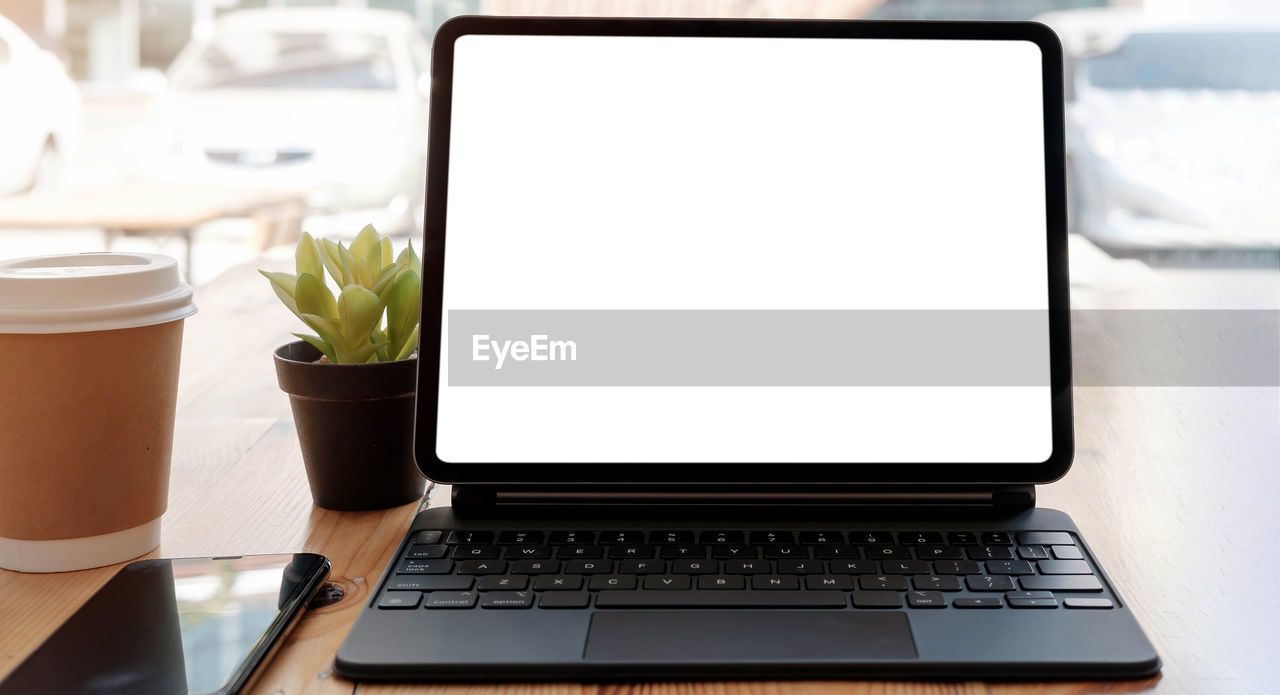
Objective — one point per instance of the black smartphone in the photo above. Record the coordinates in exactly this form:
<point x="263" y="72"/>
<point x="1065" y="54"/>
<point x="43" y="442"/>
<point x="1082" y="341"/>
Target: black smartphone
<point x="175" y="627"/>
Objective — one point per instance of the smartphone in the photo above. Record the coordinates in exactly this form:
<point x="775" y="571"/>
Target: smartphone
<point x="175" y="627"/>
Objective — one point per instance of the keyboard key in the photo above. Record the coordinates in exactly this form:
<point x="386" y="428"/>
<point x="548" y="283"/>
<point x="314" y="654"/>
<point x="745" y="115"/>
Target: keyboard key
<point x="476" y="552"/>
<point x="905" y="567"/>
<point x="695" y="567"/>
<point x="939" y="552"/>
<point x="936" y="583"/>
<point x="987" y="582"/>
<point x="667" y="582"/>
<point x="428" y="537"/>
<point x="527" y="552"/>
<point x="1062" y="567"/>
<point x="565" y="599"/>
<point x="764" y="537"/>
<point x="482" y="567"/>
<point x="887" y="552"/>
<point x="1067" y="552"/>
<point x="1045" y="538"/>
<point x="821" y="537"/>
<point x="671" y="537"/>
<point x="432" y="582"/>
<point x="1033" y="552"/>
<point x="852" y="567"/>
<point x="721" y="599"/>
<point x="521" y="537"/>
<point x="882" y="582"/>
<point x="957" y="567"/>
<point x="400" y="599"/>
<point x="783" y="551"/>
<point x="535" y="567"/>
<point x="557" y="582"/>
<point x="468" y="537"/>
<point x="747" y="567"/>
<point x="919" y="537"/>
<point x="642" y="567"/>
<point x="926" y="599"/>
<point x="832" y="552"/>
<point x="774" y="581"/>
<point x="1028" y="594"/>
<point x="1088" y="603"/>
<point x="733" y="551"/>
<point x="977" y="602"/>
<point x="996" y="538"/>
<point x="962" y="538"/>
<point x="425" y="567"/>
<point x="611" y="581"/>
<point x="1009" y="567"/>
<point x="1032" y="602"/>
<point x="502" y="582"/>
<point x="427" y="552"/>
<point x="840" y="582"/>
<point x="572" y="537"/>
<point x="800" y="567"/>
<point x="507" y="599"/>
<point x="990" y="552"/>
<point x="1062" y="582"/>
<point x="580" y="552"/>
<point x="620" y="537"/>
<point x="672" y="552"/>
<point x="721" y="537"/>
<point x="588" y="567"/>
<point x="451" y="599"/>
<point x="630" y="552"/>
<point x="871" y="537"/>
<point x="722" y="581"/>
<point x="876" y="599"/>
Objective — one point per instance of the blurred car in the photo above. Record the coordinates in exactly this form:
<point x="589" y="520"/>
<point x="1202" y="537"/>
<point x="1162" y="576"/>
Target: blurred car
<point x="330" y="101"/>
<point x="1173" y="131"/>
<point x="40" y="119"/>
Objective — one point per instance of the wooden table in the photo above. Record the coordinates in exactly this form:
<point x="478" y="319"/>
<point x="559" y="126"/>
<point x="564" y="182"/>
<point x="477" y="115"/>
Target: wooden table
<point x="158" y="209"/>
<point x="1175" y="488"/>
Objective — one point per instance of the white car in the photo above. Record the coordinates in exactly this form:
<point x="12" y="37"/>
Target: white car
<point x="329" y="101"/>
<point x="39" y="113"/>
<point x="1173" y="131"/>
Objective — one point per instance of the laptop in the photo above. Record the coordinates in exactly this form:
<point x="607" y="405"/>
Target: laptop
<point x="744" y="345"/>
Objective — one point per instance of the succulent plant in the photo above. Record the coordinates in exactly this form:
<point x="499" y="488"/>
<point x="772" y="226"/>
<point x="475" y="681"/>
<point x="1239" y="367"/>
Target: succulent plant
<point x="349" y="327"/>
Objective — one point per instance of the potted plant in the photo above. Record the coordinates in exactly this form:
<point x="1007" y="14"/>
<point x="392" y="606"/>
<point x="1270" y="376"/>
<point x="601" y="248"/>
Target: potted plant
<point x="351" y="385"/>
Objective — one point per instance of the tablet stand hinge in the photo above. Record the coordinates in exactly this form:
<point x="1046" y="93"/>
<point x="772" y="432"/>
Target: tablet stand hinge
<point x="488" y="498"/>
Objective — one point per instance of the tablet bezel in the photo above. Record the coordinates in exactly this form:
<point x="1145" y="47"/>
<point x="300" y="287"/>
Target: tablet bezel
<point x="609" y="473"/>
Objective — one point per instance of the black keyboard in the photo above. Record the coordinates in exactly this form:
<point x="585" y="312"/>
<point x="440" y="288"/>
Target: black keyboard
<point x="567" y="569"/>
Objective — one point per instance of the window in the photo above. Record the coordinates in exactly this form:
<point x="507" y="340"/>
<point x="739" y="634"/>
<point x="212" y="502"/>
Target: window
<point x="1190" y="60"/>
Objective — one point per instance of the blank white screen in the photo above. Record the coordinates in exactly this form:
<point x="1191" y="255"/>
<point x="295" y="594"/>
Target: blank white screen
<point x="744" y="173"/>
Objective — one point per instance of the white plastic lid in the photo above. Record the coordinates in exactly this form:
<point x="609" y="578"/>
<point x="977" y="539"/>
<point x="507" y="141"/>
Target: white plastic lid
<point x="76" y="293"/>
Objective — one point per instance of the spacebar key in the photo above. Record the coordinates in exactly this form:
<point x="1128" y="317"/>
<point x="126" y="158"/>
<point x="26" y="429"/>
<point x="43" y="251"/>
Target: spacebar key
<point x="721" y="599"/>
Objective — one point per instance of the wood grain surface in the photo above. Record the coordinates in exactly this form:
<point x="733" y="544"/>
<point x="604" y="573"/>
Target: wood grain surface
<point x="1175" y="489"/>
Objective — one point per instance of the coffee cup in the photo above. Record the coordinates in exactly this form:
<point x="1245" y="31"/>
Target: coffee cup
<point x="89" y="352"/>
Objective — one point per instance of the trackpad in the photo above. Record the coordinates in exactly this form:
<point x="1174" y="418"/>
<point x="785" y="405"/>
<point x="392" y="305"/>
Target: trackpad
<point x="748" y="635"/>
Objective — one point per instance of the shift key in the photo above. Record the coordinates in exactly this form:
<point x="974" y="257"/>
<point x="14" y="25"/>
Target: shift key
<point x="430" y="582"/>
<point x="1061" y="582"/>
<point x="1064" y="567"/>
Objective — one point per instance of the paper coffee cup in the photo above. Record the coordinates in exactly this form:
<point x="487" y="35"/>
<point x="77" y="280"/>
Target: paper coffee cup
<point x="89" y="351"/>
